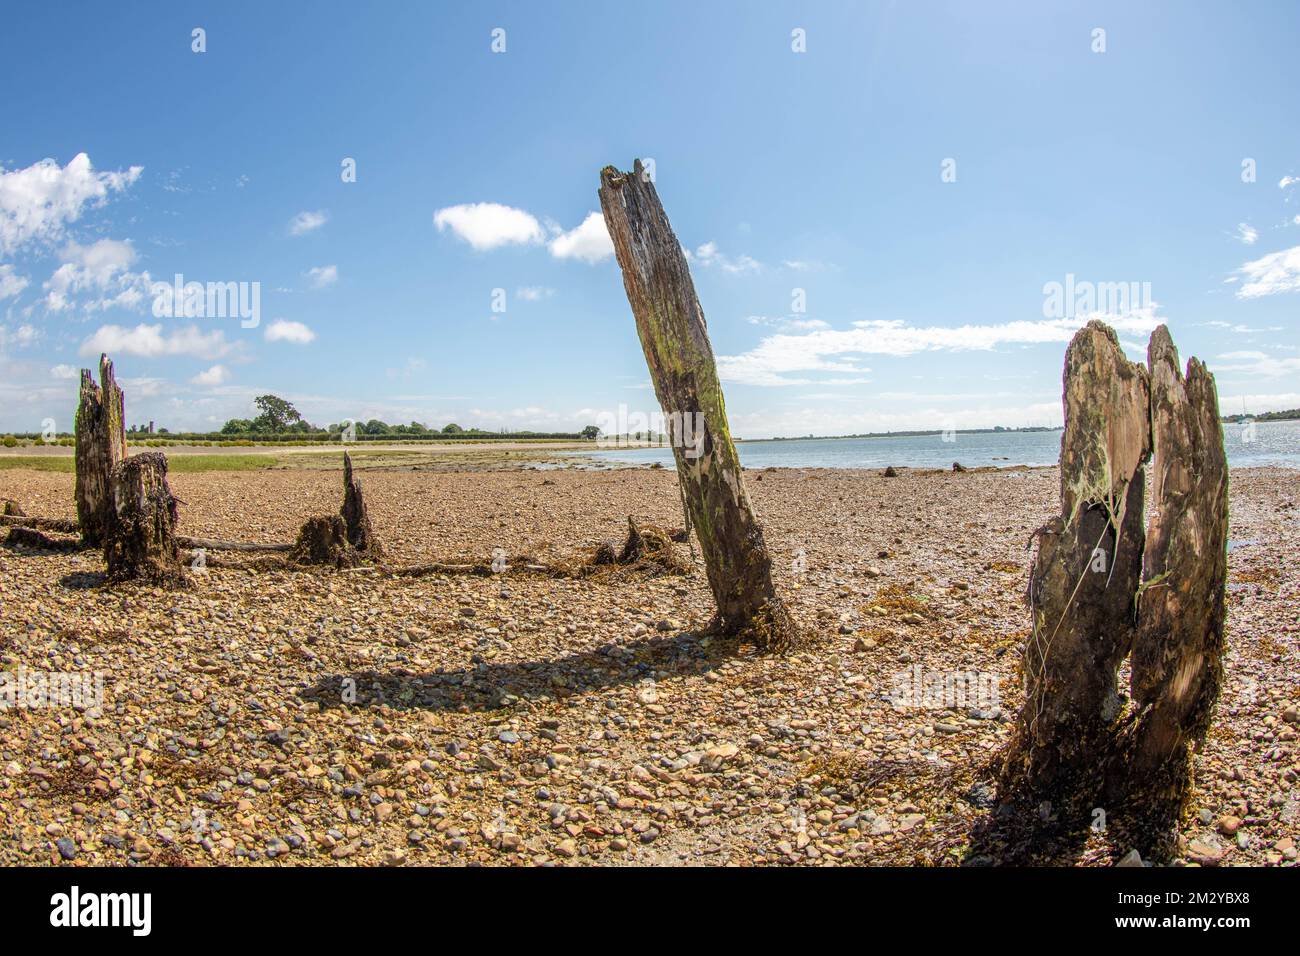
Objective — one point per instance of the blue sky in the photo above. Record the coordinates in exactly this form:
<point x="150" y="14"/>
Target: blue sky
<point x="850" y="280"/>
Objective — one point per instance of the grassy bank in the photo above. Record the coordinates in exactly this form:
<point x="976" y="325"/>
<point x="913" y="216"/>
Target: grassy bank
<point x="177" y="463"/>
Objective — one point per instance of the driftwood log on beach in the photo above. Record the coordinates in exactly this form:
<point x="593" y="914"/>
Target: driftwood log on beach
<point x="674" y="337"/>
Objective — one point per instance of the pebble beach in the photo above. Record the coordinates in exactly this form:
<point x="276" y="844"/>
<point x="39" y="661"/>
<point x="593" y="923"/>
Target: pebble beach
<point x="274" y="717"/>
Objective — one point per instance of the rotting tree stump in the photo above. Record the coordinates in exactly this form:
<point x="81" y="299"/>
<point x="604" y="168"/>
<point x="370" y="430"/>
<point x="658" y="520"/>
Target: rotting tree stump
<point x="139" y="536"/>
<point x="1104" y="588"/>
<point x="674" y="337"/>
<point x="13" y="509"/>
<point x="100" y="444"/>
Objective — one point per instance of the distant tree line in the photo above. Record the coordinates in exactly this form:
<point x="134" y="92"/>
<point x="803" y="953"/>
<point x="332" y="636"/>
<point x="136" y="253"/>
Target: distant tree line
<point x="1282" y="416"/>
<point x="278" y="417"/>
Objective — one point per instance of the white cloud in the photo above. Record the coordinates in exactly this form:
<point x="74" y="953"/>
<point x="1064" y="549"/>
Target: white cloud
<point x="63" y="372"/>
<point x="1247" y="234"/>
<point x="1288" y="181"/>
<point x="21" y="337"/>
<point x="37" y="202"/>
<point x="1239" y="328"/>
<point x="533" y="293"/>
<point x="708" y="255"/>
<point x="1255" y="364"/>
<point x="149" y="341"/>
<point x="589" y="242"/>
<point x="282" y="330"/>
<point x="487" y="225"/>
<point x="10" y="282"/>
<point x="103" y="267"/>
<point x="306" y="222"/>
<point x="213" y="376"/>
<point x="322" y="276"/>
<point x="839" y="350"/>
<point x="1270" y="274"/>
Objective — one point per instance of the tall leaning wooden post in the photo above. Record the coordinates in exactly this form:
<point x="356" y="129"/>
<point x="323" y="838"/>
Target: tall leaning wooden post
<point x="100" y="431"/>
<point x="675" y="339"/>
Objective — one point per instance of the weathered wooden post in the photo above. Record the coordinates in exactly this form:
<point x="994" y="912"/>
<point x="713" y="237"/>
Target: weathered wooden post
<point x="342" y="540"/>
<point x="100" y="431"/>
<point x="1177" y="663"/>
<point x="675" y="340"/>
<point x="1085" y="576"/>
<point x="139" y="535"/>
<point x="1104" y="587"/>
<point x="355" y="517"/>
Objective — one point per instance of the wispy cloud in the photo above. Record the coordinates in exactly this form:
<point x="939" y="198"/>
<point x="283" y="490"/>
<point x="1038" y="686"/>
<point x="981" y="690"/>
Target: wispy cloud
<point x="216" y="375"/>
<point x="149" y="341"/>
<point x="306" y="222"/>
<point x="839" y="351"/>
<point x="1247" y="234"/>
<point x="1255" y="364"/>
<point x="1270" y="274"/>
<point x="322" y="276"/>
<point x="10" y="282"/>
<point x="708" y="255"/>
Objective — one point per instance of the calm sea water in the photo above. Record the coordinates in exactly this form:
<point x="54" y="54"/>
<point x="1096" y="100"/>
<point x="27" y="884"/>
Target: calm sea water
<point x="1271" y="443"/>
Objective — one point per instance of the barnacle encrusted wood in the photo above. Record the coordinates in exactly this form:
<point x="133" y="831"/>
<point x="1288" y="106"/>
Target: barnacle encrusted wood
<point x="675" y="340"/>
<point x="139" y="536"/>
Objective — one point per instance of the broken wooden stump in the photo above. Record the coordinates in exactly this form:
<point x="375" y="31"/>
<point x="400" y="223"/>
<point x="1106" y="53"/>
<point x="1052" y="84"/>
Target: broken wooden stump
<point x="100" y="444"/>
<point x="324" y="540"/>
<point x="1177" y="662"/>
<point x="13" y="509"/>
<point x="1086" y="573"/>
<point x="343" y="540"/>
<point x="1104" y="587"/>
<point x="139" y="536"/>
<point x="355" y="518"/>
<point x="674" y="337"/>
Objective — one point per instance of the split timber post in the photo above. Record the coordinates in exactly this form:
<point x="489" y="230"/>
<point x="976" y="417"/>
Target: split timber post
<point x="139" y="536"/>
<point x="101" y="443"/>
<point x="1104" y="587"/>
<point x="355" y="517"/>
<point x="675" y="340"/>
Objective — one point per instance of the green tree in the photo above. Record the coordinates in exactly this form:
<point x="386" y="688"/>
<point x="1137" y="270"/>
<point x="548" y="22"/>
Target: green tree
<point x="277" y="414"/>
<point x="591" y="431"/>
<point x="452" y="429"/>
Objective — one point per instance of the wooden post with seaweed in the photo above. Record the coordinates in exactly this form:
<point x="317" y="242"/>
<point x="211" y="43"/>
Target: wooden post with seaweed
<point x="101" y="443"/>
<point x="1103" y="587"/>
<point x="1177" y="663"/>
<point x="675" y="340"/>
<point x="139" y="535"/>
